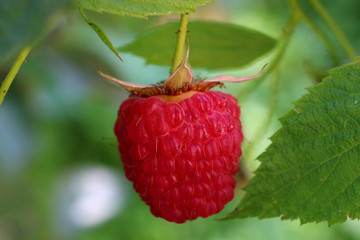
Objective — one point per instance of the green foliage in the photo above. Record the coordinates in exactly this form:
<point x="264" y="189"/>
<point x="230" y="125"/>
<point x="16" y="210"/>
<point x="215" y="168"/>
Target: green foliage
<point x="100" y="33"/>
<point x="23" y="21"/>
<point x="311" y="171"/>
<point x="212" y="45"/>
<point x="142" y="8"/>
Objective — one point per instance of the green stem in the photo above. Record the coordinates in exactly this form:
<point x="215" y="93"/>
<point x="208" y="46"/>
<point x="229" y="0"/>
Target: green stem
<point x="351" y="53"/>
<point x="180" y="45"/>
<point x="13" y="71"/>
<point x="283" y="43"/>
<point x="321" y="34"/>
<point x="273" y="103"/>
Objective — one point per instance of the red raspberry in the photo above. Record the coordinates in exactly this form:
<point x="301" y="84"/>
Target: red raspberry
<point x="181" y="157"/>
<point x="180" y="144"/>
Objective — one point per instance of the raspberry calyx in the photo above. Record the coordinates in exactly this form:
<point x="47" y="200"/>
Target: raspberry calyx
<point x="181" y="81"/>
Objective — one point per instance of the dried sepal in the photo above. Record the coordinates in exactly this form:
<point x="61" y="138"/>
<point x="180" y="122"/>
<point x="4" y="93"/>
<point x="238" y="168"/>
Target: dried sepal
<point x="227" y="78"/>
<point x="181" y="81"/>
<point x="182" y="76"/>
<point x="134" y="89"/>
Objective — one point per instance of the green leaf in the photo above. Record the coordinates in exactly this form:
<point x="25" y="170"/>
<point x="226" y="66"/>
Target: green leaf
<point x="311" y="171"/>
<point x="212" y="45"/>
<point x="142" y="8"/>
<point x="23" y="21"/>
<point x="100" y="33"/>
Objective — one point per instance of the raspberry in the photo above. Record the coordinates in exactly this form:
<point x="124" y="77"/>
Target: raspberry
<point x="180" y="144"/>
<point x="181" y="157"/>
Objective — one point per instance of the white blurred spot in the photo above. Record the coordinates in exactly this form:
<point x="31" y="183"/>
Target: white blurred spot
<point x="90" y="196"/>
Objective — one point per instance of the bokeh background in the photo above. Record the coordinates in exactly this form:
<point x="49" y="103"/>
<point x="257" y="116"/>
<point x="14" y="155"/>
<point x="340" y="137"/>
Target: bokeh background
<point x="60" y="172"/>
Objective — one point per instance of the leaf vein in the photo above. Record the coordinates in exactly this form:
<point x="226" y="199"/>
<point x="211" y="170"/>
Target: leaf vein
<point x="326" y="103"/>
<point x="311" y="170"/>
<point x="329" y="202"/>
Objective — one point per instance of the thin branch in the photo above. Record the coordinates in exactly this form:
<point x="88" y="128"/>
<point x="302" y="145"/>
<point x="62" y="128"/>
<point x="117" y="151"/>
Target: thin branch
<point x="13" y="72"/>
<point x="180" y="46"/>
<point x="283" y="43"/>
<point x="351" y="53"/>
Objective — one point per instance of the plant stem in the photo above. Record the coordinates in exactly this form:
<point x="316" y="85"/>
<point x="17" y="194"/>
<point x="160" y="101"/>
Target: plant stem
<point x="262" y="131"/>
<point x="180" y="45"/>
<point x="284" y="40"/>
<point x="321" y="34"/>
<point x="13" y="71"/>
<point x="351" y="53"/>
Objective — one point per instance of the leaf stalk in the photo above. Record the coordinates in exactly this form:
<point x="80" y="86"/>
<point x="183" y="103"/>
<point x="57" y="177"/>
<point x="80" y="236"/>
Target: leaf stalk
<point x="180" y="45"/>
<point x="350" y="52"/>
<point x="13" y="72"/>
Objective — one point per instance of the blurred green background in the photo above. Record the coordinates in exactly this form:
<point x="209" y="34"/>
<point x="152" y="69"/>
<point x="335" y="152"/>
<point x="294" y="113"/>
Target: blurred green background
<point x="60" y="172"/>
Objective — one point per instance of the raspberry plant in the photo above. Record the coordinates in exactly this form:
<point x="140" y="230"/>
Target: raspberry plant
<point x="309" y="172"/>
